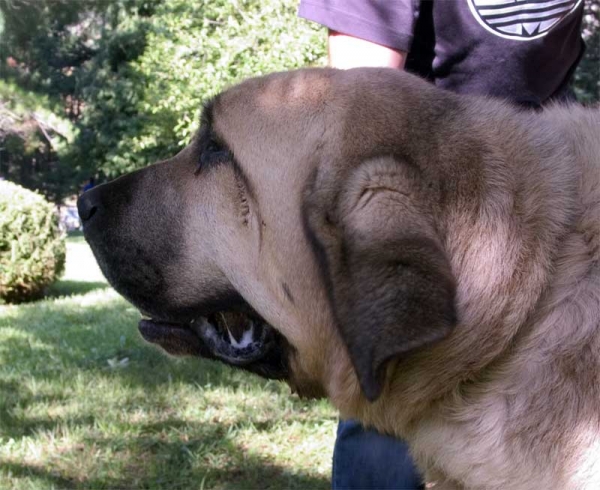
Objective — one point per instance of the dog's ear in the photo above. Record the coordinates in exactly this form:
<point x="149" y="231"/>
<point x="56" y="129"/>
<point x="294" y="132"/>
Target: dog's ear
<point x="390" y="283"/>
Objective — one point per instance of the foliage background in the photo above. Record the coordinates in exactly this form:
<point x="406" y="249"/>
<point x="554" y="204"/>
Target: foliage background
<point x="101" y="87"/>
<point x="125" y="80"/>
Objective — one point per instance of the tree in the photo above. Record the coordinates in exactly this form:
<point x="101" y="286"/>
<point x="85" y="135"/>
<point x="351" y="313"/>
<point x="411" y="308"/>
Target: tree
<point x="130" y="76"/>
<point x="148" y="108"/>
<point x="34" y="140"/>
<point x="49" y="53"/>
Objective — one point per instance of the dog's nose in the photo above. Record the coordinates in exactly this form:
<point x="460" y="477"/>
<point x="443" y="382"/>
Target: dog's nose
<point x="87" y="205"/>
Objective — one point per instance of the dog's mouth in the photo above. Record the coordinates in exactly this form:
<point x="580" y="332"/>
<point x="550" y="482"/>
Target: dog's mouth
<point x="241" y="339"/>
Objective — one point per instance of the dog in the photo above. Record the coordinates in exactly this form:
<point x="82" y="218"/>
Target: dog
<point x="428" y="261"/>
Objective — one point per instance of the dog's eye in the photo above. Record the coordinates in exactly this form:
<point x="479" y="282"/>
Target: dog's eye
<point x="212" y="154"/>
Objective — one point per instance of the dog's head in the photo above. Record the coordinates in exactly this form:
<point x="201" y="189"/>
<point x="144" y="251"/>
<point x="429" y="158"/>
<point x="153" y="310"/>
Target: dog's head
<point x="299" y="230"/>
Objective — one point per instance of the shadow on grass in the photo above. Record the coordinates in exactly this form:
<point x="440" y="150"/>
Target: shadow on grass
<point x="73" y="336"/>
<point x="263" y="476"/>
<point x="53" y="353"/>
<point x="51" y="342"/>
<point x="41" y="474"/>
<point x="70" y="288"/>
<point x="206" y="458"/>
<point x="208" y="454"/>
<point x="14" y="395"/>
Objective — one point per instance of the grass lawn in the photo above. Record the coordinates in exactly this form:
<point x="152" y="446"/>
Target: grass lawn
<point x="85" y="403"/>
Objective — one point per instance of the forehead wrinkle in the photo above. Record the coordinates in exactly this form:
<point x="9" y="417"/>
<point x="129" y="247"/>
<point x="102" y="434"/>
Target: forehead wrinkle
<point x="207" y="131"/>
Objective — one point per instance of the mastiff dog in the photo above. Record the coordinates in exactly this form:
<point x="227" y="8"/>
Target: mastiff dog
<point x="429" y="262"/>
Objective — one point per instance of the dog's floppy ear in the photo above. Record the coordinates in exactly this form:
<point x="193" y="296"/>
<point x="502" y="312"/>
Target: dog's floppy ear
<point x="390" y="283"/>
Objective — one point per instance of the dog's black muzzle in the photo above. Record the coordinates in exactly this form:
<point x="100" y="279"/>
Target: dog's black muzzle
<point x="135" y="226"/>
<point x="132" y="233"/>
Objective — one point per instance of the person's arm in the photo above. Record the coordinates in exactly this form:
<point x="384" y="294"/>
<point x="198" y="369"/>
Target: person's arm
<point x="351" y="52"/>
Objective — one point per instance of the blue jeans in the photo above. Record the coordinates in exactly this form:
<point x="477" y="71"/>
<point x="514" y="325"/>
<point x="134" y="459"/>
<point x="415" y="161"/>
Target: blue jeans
<point x="366" y="460"/>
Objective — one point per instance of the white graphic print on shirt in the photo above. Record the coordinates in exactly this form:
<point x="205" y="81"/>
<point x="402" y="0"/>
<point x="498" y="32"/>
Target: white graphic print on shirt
<point x="521" y="20"/>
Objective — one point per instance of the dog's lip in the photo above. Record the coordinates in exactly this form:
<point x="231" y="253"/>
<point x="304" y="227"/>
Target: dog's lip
<point x="148" y="324"/>
<point x="176" y="339"/>
<point x="205" y="338"/>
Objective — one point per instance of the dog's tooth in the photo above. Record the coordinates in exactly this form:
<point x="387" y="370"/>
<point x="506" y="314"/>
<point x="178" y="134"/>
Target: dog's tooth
<point x="245" y="341"/>
<point x="232" y="340"/>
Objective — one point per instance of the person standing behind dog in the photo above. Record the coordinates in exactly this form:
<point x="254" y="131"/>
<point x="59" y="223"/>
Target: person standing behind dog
<point x="523" y="51"/>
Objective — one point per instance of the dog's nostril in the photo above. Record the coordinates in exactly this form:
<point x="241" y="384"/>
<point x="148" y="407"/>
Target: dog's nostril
<point x="86" y="206"/>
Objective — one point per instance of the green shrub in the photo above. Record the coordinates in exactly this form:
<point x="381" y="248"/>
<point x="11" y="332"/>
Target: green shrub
<point x="32" y="248"/>
<point x="144" y="105"/>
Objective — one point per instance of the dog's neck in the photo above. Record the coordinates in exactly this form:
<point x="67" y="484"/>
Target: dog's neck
<point x="539" y="196"/>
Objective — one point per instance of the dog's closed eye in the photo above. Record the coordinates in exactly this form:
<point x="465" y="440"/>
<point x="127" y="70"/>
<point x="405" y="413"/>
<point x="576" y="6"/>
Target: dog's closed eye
<point x="213" y="154"/>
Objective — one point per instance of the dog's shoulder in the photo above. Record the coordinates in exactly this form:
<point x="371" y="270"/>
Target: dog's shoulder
<point x="579" y="128"/>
